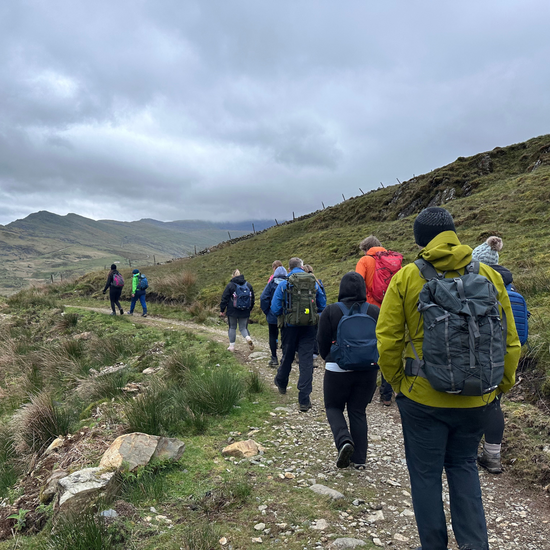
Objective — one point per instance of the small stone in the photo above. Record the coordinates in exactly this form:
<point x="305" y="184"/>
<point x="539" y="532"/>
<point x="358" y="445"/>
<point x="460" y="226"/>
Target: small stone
<point x="407" y="513"/>
<point x="109" y="513"/>
<point x="223" y="541"/>
<point x="400" y="538"/>
<point x="377" y="516"/>
<point x="257" y="539"/>
<point x="320" y="524"/>
<point x="289" y="475"/>
<point x="377" y="542"/>
<point x="346" y="543"/>
<point x="327" y="491"/>
<point x="259" y="526"/>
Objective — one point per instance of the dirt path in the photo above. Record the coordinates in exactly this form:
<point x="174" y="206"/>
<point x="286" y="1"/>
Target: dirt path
<point x="517" y="517"/>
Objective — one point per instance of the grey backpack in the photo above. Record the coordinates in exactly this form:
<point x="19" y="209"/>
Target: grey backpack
<point x="464" y="337"/>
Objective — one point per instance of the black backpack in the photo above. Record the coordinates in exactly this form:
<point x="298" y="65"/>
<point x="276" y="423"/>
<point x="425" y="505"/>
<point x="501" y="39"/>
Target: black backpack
<point x="464" y="336"/>
<point x="355" y="347"/>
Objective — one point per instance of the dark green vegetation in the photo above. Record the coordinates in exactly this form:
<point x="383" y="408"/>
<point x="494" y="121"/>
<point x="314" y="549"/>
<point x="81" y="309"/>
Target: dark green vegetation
<point x="43" y="245"/>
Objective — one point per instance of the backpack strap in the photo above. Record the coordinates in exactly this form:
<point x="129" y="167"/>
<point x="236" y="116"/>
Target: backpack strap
<point x="427" y="270"/>
<point x="363" y="308"/>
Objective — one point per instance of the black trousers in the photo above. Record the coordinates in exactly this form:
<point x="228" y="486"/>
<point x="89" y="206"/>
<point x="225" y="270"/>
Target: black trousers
<point x="114" y="296"/>
<point x="273" y="338"/>
<point x="352" y="390"/>
<point x="493" y="422"/>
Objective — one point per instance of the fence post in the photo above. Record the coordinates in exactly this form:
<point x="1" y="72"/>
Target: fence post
<point x="52" y="277"/>
<point x="293" y="217"/>
<point x="323" y="204"/>
<point x="398" y="181"/>
<point x="343" y="196"/>
<point x="195" y="250"/>
<point x="253" y="229"/>
<point x="362" y="193"/>
<point x="276" y="222"/>
<point x="382" y="185"/>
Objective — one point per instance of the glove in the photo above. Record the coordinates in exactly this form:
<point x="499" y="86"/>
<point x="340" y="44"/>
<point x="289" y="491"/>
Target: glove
<point x="104" y="291"/>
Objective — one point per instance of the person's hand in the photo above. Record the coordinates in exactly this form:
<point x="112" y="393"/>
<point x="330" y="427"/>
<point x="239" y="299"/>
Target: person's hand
<point x="104" y="291"/>
<point x="133" y="295"/>
<point x="222" y="313"/>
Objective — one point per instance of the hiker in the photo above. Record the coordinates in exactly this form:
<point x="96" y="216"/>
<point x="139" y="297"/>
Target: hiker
<point x="298" y="302"/>
<point x="279" y="275"/>
<point x="114" y="283"/>
<point x="138" y="292"/>
<point x="309" y="269"/>
<point x="490" y="458"/>
<point x="236" y="303"/>
<point x="442" y="429"/>
<point x="345" y="385"/>
<point x="366" y="267"/>
<point x="274" y="266"/>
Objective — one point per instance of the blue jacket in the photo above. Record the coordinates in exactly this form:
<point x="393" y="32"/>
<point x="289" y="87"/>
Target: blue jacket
<point x="266" y="297"/>
<point x="277" y="302"/>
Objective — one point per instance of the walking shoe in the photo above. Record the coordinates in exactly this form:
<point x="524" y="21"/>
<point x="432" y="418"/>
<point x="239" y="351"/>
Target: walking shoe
<point x="112" y="313"/>
<point x="231" y="348"/>
<point x="273" y="362"/>
<point x="144" y="315"/>
<point x="304" y="407"/>
<point x="130" y="313"/>
<point x="360" y="466"/>
<point x="282" y="390"/>
<point x="491" y="463"/>
<point x="122" y="312"/>
<point x="250" y="343"/>
<point x="344" y="455"/>
<point x="386" y="403"/>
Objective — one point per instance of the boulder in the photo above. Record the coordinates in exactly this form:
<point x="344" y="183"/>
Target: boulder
<point x="138" y="449"/>
<point x="243" y="449"/>
<point x="80" y="489"/>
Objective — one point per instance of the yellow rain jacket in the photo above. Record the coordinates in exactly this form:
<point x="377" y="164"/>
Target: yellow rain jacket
<point x="399" y="310"/>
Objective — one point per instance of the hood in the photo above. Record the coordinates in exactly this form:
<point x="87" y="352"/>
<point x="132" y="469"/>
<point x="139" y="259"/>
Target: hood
<point x="280" y="272"/>
<point x="506" y="274"/>
<point x="352" y="288"/>
<point x="446" y="253"/>
<point x="238" y="280"/>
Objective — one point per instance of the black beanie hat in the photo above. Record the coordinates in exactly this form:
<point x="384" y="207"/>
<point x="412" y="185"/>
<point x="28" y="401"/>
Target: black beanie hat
<point x="113" y="266"/>
<point x="430" y="223"/>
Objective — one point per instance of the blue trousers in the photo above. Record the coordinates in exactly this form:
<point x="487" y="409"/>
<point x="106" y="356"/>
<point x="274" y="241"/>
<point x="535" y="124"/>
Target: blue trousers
<point x="141" y="298"/>
<point x="437" y="438"/>
<point x="297" y="339"/>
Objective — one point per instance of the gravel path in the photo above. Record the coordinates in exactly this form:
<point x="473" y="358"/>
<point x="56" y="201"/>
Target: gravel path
<point x="517" y="517"/>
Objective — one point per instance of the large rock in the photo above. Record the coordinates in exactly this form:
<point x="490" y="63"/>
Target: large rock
<point x="243" y="449"/>
<point x="78" y="490"/>
<point x="137" y="449"/>
<point x="51" y="486"/>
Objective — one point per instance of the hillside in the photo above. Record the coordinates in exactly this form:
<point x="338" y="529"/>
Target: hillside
<point x="45" y="244"/>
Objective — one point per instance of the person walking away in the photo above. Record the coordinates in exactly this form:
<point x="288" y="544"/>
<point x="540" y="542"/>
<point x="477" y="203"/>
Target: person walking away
<point x="274" y="266"/>
<point x="298" y="302"/>
<point x="237" y="303"/>
<point x="139" y="286"/>
<point x="350" y="381"/>
<point x="442" y="427"/>
<point x="487" y="253"/>
<point x="279" y="275"/>
<point x="114" y="283"/>
<point x="367" y="268"/>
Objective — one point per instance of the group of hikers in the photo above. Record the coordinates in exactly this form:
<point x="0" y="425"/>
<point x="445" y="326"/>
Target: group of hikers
<point x="115" y="284"/>
<point x="445" y="332"/>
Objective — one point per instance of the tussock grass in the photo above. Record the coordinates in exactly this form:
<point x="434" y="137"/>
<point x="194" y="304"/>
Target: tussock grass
<point x="67" y="321"/>
<point x="84" y="531"/>
<point x="214" y="391"/>
<point x="110" y="349"/>
<point x="8" y="466"/>
<point x="74" y="349"/>
<point x="39" y="422"/>
<point x="201" y="535"/>
<point x="181" y="286"/>
<point x="104" y="386"/>
<point x="179" y="364"/>
<point x="254" y="383"/>
<point x="32" y="297"/>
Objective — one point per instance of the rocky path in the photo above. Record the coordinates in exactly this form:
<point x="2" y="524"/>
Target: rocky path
<point x="518" y="518"/>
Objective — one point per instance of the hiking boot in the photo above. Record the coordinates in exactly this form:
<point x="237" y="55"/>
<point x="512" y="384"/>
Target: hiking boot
<point x="112" y="313"/>
<point x="282" y="390"/>
<point x="121" y="312"/>
<point x="250" y="344"/>
<point x="360" y="466"/>
<point x="491" y="463"/>
<point x="130" y="313"/>
<point x="304" y="407"/>
<point x="386" y="403"/>
<point x="344" y="455"/>
<point x="273" y="362"/>
<point x="144" y="315"/>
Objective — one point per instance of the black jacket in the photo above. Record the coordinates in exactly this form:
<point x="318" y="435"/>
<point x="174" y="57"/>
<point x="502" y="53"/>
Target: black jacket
<point x="352" y="290"/>
<point x="109" y="282"/>
<point x="227" y="298"/>
<point x="506" y="274"/>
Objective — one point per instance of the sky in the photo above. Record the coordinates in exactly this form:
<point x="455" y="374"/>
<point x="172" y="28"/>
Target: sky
<point x="230" y="110"/>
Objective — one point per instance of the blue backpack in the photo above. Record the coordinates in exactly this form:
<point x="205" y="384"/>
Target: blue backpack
<point x="521" y="314"/>
<point x="242" y="296"/>
<point x="143" y="284"/>
<point x="355" y="346"/>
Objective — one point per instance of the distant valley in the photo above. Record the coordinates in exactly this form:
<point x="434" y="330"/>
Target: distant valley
<point x="45" y="246"/>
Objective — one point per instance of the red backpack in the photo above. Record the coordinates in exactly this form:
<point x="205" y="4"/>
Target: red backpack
<point x="387" y="264"/>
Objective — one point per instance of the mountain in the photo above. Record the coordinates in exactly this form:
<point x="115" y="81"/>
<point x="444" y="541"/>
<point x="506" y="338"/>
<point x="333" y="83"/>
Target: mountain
<point x="45" y="245"/>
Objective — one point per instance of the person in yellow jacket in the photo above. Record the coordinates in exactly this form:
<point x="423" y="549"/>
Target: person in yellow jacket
<point x="441" y="430"/>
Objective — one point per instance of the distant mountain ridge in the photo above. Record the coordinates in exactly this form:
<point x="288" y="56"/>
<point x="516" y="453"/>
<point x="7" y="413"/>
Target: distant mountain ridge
<point x="45" y="245"/>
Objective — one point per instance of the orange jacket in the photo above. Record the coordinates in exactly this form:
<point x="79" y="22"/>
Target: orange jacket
<point x="366" y="267"/>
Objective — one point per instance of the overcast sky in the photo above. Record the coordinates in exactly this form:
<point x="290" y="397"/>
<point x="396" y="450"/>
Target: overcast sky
<point x="232" y="110"/>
